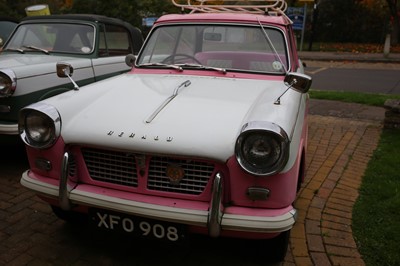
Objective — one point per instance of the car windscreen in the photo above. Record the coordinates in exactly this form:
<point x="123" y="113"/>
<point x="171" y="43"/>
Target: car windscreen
<point x="54" y="37"/>
<point x="6" y="27"/>
<point x="238" y="48"/>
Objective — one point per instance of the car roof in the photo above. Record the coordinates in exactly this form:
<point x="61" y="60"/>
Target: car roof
<point x="135" y="32"/>
<point x="85" y="17"/>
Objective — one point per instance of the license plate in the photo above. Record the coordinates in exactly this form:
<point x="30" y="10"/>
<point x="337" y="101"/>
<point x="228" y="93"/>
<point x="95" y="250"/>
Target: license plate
<point x="137" y="226"/>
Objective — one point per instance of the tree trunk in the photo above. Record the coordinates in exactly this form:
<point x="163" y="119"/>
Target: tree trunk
<point x="395" y="31"/>
<point x="394" y="19"/>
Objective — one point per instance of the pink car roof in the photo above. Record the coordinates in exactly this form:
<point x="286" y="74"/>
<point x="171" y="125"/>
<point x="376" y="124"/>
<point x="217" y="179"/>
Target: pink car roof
<point x="225" y="17"/>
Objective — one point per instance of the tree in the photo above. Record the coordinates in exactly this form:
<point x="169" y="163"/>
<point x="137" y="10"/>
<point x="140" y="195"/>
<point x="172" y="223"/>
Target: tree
<point x="394" y="10"/>
<point x="352" y="21"/>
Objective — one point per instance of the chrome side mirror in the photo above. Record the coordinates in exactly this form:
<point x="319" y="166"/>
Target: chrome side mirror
<point x="65" y="70"/>
<point x="1" y="42"/>
<point x="297" y="81"/>
<point x="130" y="60"/>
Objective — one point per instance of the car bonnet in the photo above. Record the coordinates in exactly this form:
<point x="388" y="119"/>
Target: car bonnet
<point x="135" y="113"/>
<point x="26" y="65"/>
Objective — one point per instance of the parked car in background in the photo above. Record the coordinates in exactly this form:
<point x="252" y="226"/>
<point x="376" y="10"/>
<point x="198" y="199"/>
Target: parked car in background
<point x="7" y="25"/>
<point x="206" y="134"/>
<point x="94" y="45"/>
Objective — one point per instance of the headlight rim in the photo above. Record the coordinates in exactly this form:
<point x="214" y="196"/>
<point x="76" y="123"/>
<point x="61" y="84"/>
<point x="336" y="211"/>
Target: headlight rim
<point x="48" y="112"/>
<point x="9" y="74"/>
<point x="257" y="127"/>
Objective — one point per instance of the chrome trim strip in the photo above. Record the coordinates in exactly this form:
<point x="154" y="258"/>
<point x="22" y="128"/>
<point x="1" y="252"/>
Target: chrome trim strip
<point x="167" y="101"/>
<point x="215" y="212"/>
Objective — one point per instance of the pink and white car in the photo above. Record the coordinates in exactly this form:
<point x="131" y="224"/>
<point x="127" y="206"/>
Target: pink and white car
<point x="206" y="134"/>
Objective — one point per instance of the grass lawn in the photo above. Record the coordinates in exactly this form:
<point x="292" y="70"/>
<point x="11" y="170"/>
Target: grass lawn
<point x="353" y="97"/>
<point x="376" y="214"/>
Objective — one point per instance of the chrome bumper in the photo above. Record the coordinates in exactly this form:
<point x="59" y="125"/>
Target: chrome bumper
<point x="9" y="129"/>
<point x="215" y="218"/>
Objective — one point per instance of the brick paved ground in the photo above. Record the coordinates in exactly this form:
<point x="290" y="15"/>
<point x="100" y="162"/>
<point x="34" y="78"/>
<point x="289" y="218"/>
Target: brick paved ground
<point x="338" y="152"/>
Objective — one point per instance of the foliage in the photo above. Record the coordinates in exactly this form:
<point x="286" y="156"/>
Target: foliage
<point x="353" y="47"/>
<point x="131" y="11"/>
<point x="352" y="21"/>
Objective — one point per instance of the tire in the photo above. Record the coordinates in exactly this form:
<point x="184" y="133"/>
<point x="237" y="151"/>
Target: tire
<point x="272" y="250"/>
<point x="279" y="246"/>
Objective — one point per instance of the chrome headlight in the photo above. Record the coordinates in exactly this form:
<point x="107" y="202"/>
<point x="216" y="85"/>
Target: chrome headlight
<point x="262" y="148"/>
<point x="8" y="83"/>
<point x="39" y="125"/>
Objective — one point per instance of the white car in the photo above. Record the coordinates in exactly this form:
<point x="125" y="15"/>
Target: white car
<point x="94" y="45"/>
<point x="206" y="134"/>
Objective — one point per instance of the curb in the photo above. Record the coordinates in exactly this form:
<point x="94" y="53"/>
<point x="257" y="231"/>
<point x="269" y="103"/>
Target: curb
<point x="345" y="56"/>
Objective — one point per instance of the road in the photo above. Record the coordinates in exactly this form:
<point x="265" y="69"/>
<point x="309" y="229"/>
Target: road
<point x="355" y="76"/>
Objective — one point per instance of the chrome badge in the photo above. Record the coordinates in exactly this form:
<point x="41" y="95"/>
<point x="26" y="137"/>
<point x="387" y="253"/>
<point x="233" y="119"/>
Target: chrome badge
<point x="175" y="173"/>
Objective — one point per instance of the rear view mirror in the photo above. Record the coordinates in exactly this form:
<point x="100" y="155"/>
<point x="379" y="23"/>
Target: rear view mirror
<point x="212" y="36"/>
<point x="65" y="70"/>
<point x="297" y="81"/>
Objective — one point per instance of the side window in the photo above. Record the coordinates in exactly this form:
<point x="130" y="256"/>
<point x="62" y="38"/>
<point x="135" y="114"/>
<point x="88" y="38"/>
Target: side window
<point x="114" y="40"/>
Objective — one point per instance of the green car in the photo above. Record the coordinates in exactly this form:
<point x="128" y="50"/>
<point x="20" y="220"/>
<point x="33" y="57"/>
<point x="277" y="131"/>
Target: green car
<point x="94" y="45"/>
<point x="7" y="25"/>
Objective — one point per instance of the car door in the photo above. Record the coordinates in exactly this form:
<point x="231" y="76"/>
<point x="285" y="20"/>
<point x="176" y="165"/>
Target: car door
<point x="114" y="44"/>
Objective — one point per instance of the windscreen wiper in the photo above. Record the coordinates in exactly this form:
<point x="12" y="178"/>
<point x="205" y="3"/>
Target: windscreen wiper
<point x="179" y="68"/>
<point x="36" y="48"/>
<point x="219" y="69"/>
<point x="15" y="50"/>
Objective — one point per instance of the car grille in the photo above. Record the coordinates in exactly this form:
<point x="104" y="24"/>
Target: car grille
<point x="122" y="168"/>
<point x="196" y="175"/>
<point x="112" y="167"/>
